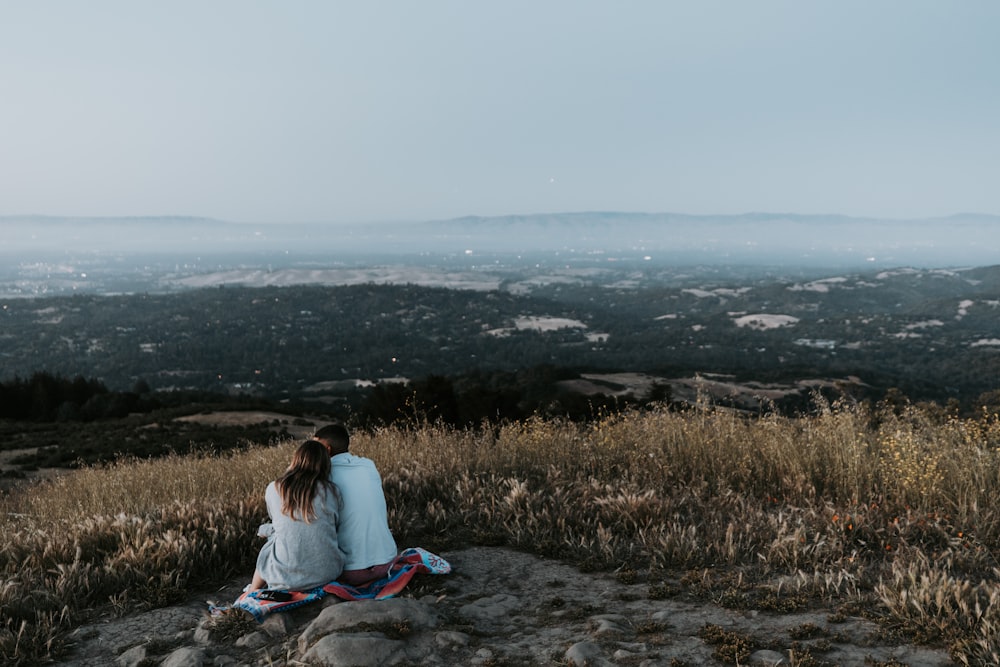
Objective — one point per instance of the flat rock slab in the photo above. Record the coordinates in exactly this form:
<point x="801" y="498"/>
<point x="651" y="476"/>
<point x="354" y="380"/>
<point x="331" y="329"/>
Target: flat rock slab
<point x="498" y="606"/>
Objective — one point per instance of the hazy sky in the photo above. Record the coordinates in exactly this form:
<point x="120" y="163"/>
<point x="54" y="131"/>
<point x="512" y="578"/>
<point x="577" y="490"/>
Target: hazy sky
<point x="361" y="111"/>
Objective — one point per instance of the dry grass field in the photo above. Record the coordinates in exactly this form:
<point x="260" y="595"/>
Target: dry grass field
<point x="887" y="511"/>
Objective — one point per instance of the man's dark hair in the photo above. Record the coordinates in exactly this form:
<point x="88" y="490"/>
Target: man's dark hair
<point x="336" y="436"/>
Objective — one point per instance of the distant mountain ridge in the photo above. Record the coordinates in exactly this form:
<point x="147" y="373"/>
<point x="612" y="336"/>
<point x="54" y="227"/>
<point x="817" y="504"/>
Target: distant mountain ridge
<point x="580" y="216"/>
<point x="960" y="239"/>
<point x="754" y="216"/>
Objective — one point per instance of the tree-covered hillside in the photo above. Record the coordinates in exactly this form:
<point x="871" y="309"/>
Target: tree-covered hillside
<point x="932" y="334"/>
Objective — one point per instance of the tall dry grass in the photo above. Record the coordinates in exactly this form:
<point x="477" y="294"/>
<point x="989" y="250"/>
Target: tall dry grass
<point x="895" y="511"/>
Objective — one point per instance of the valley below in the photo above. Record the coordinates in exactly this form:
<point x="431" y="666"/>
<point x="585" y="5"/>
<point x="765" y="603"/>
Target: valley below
<point x="324" y="335"/>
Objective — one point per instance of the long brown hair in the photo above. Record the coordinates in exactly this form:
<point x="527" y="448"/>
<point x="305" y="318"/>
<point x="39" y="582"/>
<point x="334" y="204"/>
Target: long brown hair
<point x="308" y="474"/>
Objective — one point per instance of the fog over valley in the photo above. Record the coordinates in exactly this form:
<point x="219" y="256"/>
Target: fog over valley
<point x="50" y="255"/>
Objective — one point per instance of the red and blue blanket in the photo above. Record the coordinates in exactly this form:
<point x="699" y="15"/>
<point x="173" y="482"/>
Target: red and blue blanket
<point x="410" y="562"/>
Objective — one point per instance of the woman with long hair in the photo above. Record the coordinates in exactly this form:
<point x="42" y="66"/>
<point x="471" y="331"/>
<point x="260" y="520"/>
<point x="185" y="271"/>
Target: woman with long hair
<point x="304" y="505"/>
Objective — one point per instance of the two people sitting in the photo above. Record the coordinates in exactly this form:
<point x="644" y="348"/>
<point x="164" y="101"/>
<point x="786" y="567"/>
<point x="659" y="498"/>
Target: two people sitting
<point x="329" y="518"/>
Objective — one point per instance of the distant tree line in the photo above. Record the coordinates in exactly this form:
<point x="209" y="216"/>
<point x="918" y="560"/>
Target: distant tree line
<point x="480" y="397"/>
<point x="468" y="400"/>
<point x="46" y="397"/>
<point x="465" y="400"/>
<point x="71" y="421"/>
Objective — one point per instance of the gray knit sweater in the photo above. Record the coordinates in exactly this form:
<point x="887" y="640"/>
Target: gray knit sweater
<point x="300" y="555"/>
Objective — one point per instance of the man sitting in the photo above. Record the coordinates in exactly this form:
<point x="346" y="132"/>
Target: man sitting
<point x="363" y="532"/>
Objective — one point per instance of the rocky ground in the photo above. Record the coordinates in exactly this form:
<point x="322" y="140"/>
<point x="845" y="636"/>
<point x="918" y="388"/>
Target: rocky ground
<point x="498" y="607"/>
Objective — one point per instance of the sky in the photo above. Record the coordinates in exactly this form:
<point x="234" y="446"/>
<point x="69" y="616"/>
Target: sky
<point x="348" y="112"/>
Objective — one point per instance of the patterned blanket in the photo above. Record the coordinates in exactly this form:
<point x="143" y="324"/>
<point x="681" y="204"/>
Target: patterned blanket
<point x="407" y="564"/>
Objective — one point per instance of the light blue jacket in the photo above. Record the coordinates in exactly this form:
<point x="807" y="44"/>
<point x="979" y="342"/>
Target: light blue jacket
<point x="363" y="529"/>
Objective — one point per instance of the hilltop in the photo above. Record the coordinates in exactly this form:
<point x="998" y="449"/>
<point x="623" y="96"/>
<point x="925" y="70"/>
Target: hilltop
<point x="677" y="537"/>
<point x="502" y="607"/>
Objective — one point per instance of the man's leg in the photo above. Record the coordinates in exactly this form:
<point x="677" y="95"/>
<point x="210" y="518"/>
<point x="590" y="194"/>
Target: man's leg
<point x="362" y="577"/>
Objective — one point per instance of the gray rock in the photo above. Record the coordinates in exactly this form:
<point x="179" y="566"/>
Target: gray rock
<point x="621" y="654"/>
<point x="252" y="640"/>
<point x="490" y="608"/>
<point x="451" y="638"/>
<point x="482" y="657"/>
<point x="630" y="652"/>
<point x="634" y="647"/>
<point x="607" y="625"/>
<point x="132" y="657"/>
<point x="202" y="635"/>
<point x="368" y="614"/>
<point x="586" y="654"/>
<point x="277" y="625"/>
<point x="355" y="650"/>
<point x="186" y="656"/>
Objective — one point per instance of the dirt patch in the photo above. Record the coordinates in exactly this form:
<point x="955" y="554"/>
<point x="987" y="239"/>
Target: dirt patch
<point x="299" y="428"/>
<point x="12" y="475"/>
